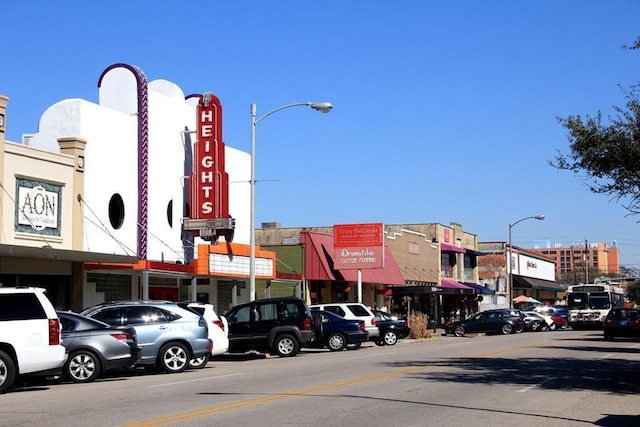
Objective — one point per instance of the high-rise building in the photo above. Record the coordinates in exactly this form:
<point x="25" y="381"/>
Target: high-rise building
<point x="578" y="262"/>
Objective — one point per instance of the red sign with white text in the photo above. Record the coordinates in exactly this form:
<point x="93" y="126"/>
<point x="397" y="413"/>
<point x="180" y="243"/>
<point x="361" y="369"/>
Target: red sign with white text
<point x="209" y="181"/>
<point x="358" y="246"/>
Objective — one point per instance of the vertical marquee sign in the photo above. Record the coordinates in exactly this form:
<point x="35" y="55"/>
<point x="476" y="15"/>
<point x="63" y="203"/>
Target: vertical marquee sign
<point x="209" y="216"/>
<point x="358" y="246"/>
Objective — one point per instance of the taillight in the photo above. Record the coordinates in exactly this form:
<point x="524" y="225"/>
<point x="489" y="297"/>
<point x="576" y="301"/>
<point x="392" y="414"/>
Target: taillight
<point x="361" y="325"/>
<point x="54" y="332"/>
<point x="306" y="325"/>
<point x="218" y="323"/>
<point x="406" y="323"/>
<point x="607" y="321"/>
<point x="374" y="322"/>
<point x="123" y="337"/>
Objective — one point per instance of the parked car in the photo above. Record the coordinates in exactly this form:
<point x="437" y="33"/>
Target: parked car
<point x="218" y="330"/>
<point x="563" y="311"/>
<point x="281" y="325"/>
<point x="93" y="347"/>
<point x="169" y="335"/>
<point x="622" y="322"/>
<point x="353" y="310"/>
<point x="30" y="337"/>
<point x="500" y="321"/>
<point x="536" y="321"/>
<point x="391" y="328"/>
<point x="559" y="320"/>
<point x="337" y="332"/>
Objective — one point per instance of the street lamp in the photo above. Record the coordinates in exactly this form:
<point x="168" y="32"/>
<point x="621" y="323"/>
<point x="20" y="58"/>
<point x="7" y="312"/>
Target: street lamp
<point x="508" y="266"/>
<point x="323" y="107"/>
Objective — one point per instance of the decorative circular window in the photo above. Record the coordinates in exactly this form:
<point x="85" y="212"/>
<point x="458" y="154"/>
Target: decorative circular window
<point x="116" y="211"/>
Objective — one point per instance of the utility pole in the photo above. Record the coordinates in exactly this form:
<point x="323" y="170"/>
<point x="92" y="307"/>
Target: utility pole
<point x="586" y="262"/>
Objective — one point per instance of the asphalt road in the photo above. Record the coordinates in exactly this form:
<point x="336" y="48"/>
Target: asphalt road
<point x="558" y="378"/>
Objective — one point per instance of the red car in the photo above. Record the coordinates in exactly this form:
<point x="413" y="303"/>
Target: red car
<point x="556" y="316"/>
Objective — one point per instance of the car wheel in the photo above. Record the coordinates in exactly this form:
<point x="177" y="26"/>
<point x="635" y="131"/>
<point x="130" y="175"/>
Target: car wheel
<point x="173" y="357"/>
<point x="7" y="371"/>
<point x="390" y="338"/>
<point x="354" y="346"/>
<point x="535" y="326"/>
<point x="608" y="337"/>
<point x="544" y="327"/>
<point x="336" y="342"/>
<point x="286" y="345"/>
<point x="199" y="362"/>
<point x="519" y="328"/>
<point x="380" y="343"/>
<point x="553" y="326"/>
<point x="82" y="366"/>
<point x="459" y="331"/>
<point x="506" y="329"/>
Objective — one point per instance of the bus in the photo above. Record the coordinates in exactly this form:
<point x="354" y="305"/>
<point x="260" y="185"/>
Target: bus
<point x="589" y="304"/>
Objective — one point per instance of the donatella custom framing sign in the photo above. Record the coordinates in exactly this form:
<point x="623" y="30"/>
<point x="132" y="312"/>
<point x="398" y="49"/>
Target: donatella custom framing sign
<point x="358" y="246"/>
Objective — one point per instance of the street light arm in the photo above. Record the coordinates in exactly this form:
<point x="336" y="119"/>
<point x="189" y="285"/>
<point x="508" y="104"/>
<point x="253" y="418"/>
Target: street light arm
<point x="323" y="107"/>
<point x="539" y="217"/>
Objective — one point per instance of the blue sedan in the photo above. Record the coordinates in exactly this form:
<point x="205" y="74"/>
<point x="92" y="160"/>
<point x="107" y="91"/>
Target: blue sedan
<point x="338" y="332"/>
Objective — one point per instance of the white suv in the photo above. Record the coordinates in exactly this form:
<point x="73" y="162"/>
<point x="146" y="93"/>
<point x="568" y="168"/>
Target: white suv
<point x="352" y="310"/>
<point x="30" y="335"/>
<point x="218" y="326"/>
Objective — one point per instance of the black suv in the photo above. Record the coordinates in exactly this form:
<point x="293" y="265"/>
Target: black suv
<point x="281" y="325"/>
<point x="622" y="322"/>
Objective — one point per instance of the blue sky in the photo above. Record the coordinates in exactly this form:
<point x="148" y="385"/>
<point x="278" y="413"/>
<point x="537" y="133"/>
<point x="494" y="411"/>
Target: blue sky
<point x="443" y="111"/>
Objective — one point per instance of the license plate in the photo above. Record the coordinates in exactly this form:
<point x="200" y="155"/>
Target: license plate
<point x="623" y="323"/>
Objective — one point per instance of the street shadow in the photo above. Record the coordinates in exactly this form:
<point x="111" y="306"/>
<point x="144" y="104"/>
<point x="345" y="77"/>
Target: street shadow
<point x="610" y="375"/>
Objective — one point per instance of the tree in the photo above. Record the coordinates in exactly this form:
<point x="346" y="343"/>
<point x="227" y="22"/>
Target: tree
<point x="608" y="154"/>
<point x="633" y="292"/>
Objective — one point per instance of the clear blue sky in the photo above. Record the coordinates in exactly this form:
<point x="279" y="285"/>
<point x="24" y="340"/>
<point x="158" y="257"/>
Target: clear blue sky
<point x="443" y="111"/>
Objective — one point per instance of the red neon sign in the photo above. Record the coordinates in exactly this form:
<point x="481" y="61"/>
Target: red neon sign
<point x="209" y="181"/>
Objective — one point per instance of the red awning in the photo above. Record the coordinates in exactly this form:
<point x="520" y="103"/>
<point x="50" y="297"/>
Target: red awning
<point x="319" y="264"/>
<point x="452" y="284"/>
<point x="450" y="248"/>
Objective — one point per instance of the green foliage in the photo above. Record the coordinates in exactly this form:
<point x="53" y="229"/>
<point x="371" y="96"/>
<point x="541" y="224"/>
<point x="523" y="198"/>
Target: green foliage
<point x="633" y="292"/>
<point x="608" y="154"/>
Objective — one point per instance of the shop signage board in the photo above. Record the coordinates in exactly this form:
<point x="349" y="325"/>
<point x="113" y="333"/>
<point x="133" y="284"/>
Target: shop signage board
<point x="358" y="246"/>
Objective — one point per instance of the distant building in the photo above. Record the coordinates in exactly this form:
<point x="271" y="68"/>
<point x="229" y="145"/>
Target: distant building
<point x="583" y="260"/>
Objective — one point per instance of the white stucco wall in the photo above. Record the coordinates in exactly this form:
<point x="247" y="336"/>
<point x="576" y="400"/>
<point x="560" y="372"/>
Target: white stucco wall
<point x="111" y="163"/>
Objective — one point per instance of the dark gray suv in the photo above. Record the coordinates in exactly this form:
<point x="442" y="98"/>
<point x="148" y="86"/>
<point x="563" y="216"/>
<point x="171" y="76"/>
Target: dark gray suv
<point x="169" y="335"/>
<point x="281" y="325"/>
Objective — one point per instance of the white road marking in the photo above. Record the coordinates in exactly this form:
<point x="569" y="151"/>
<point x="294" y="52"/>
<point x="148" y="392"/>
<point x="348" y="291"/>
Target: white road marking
<point x="197" y="379"/>
<point x="531" y="387"/>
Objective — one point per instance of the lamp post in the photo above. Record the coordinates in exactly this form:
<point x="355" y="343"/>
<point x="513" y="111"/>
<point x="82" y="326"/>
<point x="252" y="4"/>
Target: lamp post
<point x="323" y="107"/>
<point x="509" y="269"/>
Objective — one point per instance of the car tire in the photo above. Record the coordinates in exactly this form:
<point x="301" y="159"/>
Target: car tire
<point x="390" y="338"/>
<point x="536" y="325"/>
<point x="199" y="362"/>
<point x="506" y="329"/>
<point x="379" y="342"/>
<point x="553" y="326"/>
<point x="173" y="357"/>
<point x="286" y="345"/>
<point x="519" y="329"/>
<point x="336" y="342"/>
<point x="354" y="346"/>
<point x="7" y="371"/>
<point x="82" y="366"/>
<point x="459" y="331"/>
